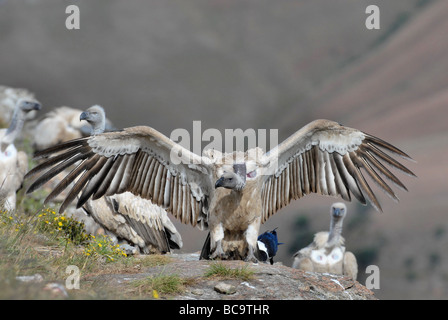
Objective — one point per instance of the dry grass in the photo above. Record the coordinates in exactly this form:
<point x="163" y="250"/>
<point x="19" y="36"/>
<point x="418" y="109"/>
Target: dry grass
<point x="161" y="285"/>
<point x="46" y="243"/>
<point x="221" y="271"/>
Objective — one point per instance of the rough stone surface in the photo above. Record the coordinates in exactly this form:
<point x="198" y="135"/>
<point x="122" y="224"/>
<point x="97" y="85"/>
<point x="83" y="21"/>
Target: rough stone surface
<point x="225" y="288"/>
<point x="273" y="282"/>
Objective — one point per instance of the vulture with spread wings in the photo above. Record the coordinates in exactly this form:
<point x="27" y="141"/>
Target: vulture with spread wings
<point x="230" y="194"/>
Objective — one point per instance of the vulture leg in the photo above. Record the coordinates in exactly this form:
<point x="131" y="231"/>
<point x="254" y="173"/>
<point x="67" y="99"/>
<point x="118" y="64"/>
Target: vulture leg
<point x="251" y="255"/>
<point x="10" y="202"/>
<point x="218" y="253"/>
<point x="217" y="235"/>
<point x="251" y="239"/>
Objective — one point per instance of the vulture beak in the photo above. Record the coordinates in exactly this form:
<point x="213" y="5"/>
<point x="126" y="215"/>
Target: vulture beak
<point x="219" y="183"/>
<point x="83" y="116"/>
<point x="28" y="106"/>
<point x="36" y="106"/>
<point x="337" y="212"/>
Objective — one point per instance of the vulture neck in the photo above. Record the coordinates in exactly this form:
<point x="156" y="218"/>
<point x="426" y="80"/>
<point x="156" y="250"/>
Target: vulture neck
<point x="98" y="127"/>
<point x="334" y="235"/>
<point x="16" y="125"/>
<point x="240" y="171"/>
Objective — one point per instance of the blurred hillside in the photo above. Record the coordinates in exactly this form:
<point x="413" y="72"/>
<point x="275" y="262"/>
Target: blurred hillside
<point x="260" y="64"/>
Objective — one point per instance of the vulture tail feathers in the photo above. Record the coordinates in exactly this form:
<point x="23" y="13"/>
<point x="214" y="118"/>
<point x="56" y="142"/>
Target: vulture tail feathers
<point x="173" y="241"/>
<point x="206" y="250"/>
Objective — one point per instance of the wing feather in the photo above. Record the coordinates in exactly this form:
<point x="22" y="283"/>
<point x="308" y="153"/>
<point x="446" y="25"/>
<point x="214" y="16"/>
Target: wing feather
<point x="140" y="160"/>
<point x="327" y="158"/>
<point x="109" y="176"/>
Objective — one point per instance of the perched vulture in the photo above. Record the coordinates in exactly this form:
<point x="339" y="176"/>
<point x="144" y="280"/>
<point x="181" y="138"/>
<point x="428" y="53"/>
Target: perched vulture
<point x="136" y="220"/>
<point x="128" y="216"/>
<point x="59" y="125"/>
<point x="9" y="97"/>
<point x="327" y="251"/>
<point x="96" y="117"/>
<point x="230" y="194"/>
<point x="13" y="163"/>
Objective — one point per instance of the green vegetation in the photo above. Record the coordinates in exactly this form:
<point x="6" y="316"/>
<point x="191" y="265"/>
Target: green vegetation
<point x="219" y="270"/>
<point x="161" y="284"/>
<point x="46" y="243"/>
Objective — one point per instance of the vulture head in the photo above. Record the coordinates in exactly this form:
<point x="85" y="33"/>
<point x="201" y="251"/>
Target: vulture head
<point x="235" y="180"/>
<point x="338" y="210"/>
<point x="18" y="118"/>
<point x="96" y="117"/>
<point x="27" y="106"/>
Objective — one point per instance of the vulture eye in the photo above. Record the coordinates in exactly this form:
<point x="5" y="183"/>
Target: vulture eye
<point x="252" y="174"/>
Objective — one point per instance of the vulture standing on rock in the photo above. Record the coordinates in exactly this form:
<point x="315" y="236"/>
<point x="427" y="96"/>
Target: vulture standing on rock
<point x="127" y="216"/>
<point x="230" y="194"/>
<point x="13" y="163"/>
<point x="327" y="251"/>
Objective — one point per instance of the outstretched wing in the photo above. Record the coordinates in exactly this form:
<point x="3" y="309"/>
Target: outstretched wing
<point x="140" y="160"/>
<point x="327" y="158"/>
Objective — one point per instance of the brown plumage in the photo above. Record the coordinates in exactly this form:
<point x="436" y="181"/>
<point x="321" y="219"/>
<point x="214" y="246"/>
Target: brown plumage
<point x="327" y="252"/>
<point x="323" y="157"/>
<point x="135" y="220"/>
<point x="129" y="217"/>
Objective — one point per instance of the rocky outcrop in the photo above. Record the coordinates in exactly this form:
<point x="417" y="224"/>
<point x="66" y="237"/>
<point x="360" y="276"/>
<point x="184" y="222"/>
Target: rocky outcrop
<point x="269" y="282"/>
